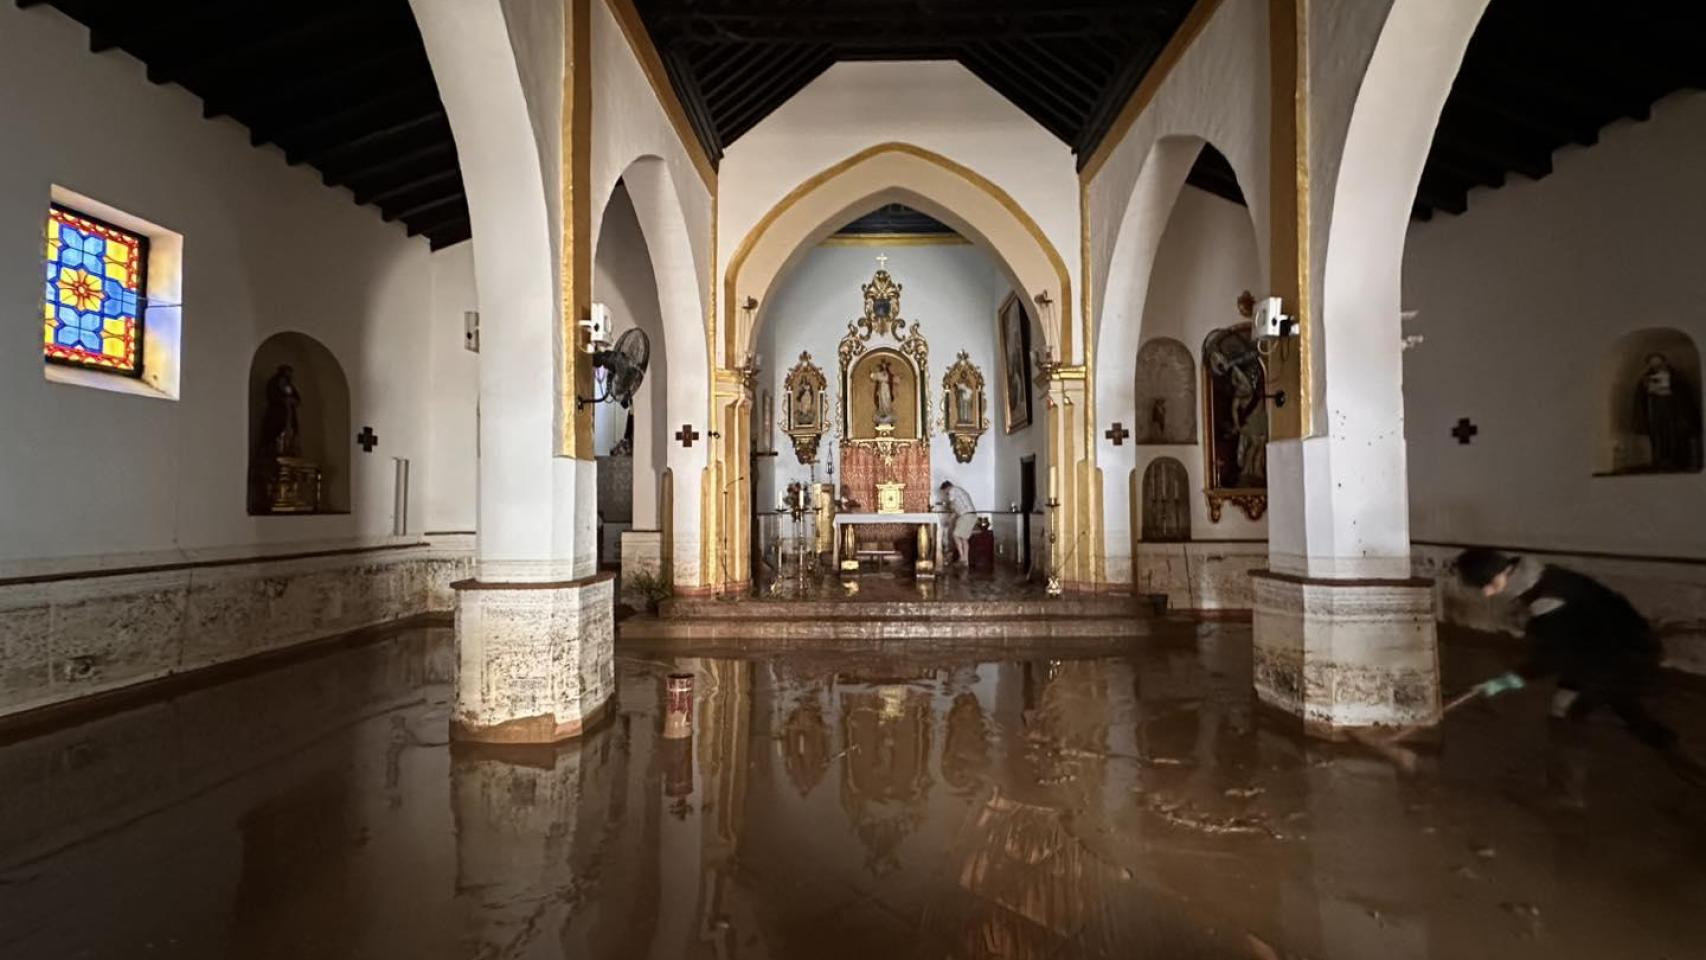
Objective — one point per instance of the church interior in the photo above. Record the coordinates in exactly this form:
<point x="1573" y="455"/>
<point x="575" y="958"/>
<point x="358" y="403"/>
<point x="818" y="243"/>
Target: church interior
<point x="929" y="478"/>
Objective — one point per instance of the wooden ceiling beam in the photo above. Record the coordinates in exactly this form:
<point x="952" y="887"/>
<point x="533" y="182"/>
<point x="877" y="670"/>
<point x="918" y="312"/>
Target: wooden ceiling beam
<point x="1497" y="146"/>
<point x="258" y="94"/>
<point x="403" y="186"/>
<point x="1074" y="99"/>
<point x="1019" y="95"/>
<point x="376" y="107"/>
<point x="193" y="58"/>
<point x="785" y="86"/>
<point x="391" y="165"/>
<point x="402" y="134"/>
<point x="447" y="217"/>
<point x="426" y="201"/>
<point x="754" y="73"/>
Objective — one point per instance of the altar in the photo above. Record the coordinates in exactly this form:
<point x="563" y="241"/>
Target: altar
<point x="927" y="525"/>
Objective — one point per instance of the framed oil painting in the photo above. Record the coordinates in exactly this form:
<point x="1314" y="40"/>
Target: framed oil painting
<point x="1013" y="327"/>
<point x="1235" y="421"/>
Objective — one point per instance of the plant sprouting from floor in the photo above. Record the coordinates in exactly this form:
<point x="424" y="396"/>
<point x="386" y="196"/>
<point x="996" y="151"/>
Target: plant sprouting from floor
<point x="648" y="588"/>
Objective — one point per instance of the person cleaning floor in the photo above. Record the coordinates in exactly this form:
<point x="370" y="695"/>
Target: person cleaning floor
<point x="1589" y="636"/>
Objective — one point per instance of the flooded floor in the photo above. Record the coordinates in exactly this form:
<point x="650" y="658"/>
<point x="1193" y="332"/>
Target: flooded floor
<point x="837" y="805"/>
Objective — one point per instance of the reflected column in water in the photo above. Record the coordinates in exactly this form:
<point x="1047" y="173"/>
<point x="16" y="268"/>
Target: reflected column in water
<point x="517" y="810"/>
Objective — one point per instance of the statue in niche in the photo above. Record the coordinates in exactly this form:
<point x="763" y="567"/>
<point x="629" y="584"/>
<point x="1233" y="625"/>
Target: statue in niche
<point x="1666" y="415"/>
<point x="805" y="406"/>
<point x="281" y="480"/>
<point x="1165" y="393"/>
<point x="882" y="392"/>
<point x="965" y="410"/>
<point x="280" y="432"/>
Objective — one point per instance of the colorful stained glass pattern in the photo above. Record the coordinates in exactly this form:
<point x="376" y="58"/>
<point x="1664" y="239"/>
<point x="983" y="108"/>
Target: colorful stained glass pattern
<point x="95" y="293"/>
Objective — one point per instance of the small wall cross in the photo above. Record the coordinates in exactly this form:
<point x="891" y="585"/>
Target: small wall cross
<point x="1464" y="431"/>
<point x="1117" y="433"/>
<point x="367" y="439"/>
<point x="687" y="434"/>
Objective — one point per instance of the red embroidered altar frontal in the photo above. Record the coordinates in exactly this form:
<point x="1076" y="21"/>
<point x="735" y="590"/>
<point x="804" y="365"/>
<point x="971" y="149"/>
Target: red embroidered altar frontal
<point x="862" y="470"/>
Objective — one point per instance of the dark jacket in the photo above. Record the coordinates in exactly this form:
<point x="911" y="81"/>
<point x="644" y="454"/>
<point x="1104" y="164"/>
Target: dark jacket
<point x="1584" y="632"/>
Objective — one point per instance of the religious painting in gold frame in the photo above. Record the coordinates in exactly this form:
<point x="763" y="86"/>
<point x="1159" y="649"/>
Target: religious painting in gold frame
<point x="803" y="408"/>
<point x="964" y="414"/>
<point x="1235" y="422"/>
<point x="1013" y="331"/>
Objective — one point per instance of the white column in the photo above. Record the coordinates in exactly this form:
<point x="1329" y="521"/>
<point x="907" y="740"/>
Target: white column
<point x="534" y="628"/>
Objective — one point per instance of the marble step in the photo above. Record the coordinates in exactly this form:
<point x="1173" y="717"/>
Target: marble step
<point x="982" y="611"/>
<point x="766" y="630"/>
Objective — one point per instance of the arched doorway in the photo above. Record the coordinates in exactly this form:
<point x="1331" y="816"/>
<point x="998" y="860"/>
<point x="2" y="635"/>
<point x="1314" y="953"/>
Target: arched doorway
<point x="989" y="220"/>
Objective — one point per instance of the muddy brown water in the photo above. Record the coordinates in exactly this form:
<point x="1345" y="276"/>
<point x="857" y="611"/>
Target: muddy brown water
<point x="843" y="805"/>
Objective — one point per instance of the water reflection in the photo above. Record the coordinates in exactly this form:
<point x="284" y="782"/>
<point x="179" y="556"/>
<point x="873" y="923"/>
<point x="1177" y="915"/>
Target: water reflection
<point x="821" y="806"/>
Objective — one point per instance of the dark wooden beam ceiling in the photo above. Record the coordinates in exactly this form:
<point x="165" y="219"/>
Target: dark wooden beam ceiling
<point x="1540" y="75"/>
<point x="1070" y="64"/>
<point x="342" y="85"/>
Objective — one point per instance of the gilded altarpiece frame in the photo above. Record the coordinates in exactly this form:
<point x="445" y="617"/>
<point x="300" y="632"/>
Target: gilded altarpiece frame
<point x="965" y="407"/>
<point x="865" y="365"/>
<point x="803" y="408"/>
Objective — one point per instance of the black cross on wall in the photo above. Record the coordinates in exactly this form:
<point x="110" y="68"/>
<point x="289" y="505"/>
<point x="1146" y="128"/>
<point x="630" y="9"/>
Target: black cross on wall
<point x="367" y="439"/>
<point x="1464" y="431"/>
<point x="687" y="434"/>
<point x="1117" y="433"/>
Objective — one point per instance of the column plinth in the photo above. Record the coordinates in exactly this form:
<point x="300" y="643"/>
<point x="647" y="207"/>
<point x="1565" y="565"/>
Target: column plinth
<point x="535" y="660"/>
<point x="1346" y="653"/>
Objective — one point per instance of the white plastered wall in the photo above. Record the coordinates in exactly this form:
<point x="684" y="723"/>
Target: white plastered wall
<point x="452" y="388"/>
<point x="1206" y="258"/>
<point x="945" y="290"/>
<point x="1217" y="92"/>
<point x="267" y="248"/>
<point x="529" y="524"/>
<point x="634" y="141"/>
<point x="1520" y="300"/>
<point x="622" y="280"/>
<point x="938" y="106"/>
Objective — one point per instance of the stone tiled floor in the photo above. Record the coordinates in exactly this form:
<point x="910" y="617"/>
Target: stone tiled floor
<point x="1020" y="804"/>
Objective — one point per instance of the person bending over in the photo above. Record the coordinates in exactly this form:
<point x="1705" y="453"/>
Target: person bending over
<point x="1584" y="633"/>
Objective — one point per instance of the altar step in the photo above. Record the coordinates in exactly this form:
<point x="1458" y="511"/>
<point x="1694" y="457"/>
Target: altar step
<point x="982" y="610"/>
<point x="980" y="623"/>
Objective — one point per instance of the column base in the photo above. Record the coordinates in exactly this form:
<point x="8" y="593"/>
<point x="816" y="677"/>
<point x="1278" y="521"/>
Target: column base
<point x="535" y="661"/>
<point x="642" y="551"/>
<point x="1343" y="654"/>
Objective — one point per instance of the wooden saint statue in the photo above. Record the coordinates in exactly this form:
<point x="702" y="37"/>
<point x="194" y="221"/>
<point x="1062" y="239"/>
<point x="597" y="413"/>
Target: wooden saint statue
<point x="280" y="432"/>
<point x="1666" y="415"/>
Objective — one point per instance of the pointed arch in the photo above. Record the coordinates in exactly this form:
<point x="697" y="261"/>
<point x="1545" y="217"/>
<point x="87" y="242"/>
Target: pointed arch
<point x="895" y="173"/>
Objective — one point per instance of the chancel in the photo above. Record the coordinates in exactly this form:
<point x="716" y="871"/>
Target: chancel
<point x="663" y="478"/>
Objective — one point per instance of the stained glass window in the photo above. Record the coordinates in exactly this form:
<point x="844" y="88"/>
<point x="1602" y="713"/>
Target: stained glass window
<point x="95" y="294"/>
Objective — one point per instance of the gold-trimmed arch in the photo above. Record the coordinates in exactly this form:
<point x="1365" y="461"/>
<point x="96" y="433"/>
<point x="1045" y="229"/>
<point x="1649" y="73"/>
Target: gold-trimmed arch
<point x="952" y="192"/>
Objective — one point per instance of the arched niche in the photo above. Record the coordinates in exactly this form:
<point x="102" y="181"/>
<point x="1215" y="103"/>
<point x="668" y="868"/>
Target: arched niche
<point x="1166" y="502"/>
<point x="322" y="421"/>
<point x="1165" y="392"/>
<point x="1650" y="404"/>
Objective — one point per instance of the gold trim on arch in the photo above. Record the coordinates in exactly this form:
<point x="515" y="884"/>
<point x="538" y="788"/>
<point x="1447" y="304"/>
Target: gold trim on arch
<point x="812" y="183"/>
<point x="893" y="240"/>
<point x="1201" y="13"/>
<point x="651" y="64"/>
<point x="574" y="426"/>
